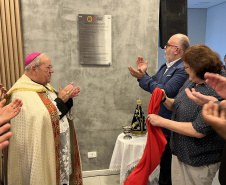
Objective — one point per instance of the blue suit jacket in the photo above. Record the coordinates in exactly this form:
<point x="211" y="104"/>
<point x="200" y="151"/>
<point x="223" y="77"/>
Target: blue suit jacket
<point x="171" y="82"/>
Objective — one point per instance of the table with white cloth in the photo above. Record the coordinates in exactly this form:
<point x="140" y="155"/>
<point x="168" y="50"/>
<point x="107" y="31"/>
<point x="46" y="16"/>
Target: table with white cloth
<point x="127" y="154"/>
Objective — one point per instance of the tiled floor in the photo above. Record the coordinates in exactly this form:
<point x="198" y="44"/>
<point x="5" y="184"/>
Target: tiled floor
<point x="113" y="179"/>
<point x="101" y="177"/>
<point x="102" y="180"/>
<point x="106" y="177"/>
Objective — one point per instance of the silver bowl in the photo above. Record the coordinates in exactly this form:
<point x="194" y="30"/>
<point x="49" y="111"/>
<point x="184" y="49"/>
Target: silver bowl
<point x="127" y="131"/>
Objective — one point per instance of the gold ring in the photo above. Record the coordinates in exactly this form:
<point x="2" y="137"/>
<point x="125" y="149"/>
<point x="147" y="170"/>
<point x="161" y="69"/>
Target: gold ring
<point x="67" y="92"/>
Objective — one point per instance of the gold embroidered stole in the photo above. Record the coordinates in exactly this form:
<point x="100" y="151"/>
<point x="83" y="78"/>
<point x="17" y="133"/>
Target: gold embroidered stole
<point x="56" y="130"/>
<point x="76" y="176"/>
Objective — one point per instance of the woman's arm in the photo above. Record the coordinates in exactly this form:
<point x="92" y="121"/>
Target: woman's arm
<point x="184" y="128"/>
<point x="167" y="102"/>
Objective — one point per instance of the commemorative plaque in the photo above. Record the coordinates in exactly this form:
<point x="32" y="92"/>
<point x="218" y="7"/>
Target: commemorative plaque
<point x="95" y="39"/>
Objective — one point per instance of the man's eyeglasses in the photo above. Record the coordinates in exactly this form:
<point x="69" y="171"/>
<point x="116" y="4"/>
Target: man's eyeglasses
<point x="167" y="45"/>
<point x="185" y="67"/>
<point x="48" y="68"/>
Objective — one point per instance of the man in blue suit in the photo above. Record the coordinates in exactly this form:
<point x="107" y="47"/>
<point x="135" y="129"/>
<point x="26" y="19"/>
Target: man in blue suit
<point x="170" y="77"/>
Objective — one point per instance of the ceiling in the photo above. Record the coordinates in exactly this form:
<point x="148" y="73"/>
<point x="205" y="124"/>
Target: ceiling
<point x="203" y="3"/>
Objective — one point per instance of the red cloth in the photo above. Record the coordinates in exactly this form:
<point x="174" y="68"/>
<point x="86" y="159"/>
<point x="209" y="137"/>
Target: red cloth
<point x="154" y="148"/>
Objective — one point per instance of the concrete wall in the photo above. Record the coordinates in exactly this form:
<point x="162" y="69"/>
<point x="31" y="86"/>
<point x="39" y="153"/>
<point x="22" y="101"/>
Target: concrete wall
<point x="108" y="94"/>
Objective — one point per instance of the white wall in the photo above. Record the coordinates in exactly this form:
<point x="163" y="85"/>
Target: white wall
<point x="216" y="29"/>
